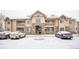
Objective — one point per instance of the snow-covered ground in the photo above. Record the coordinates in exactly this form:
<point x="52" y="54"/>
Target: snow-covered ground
<point x="39" y="41"/>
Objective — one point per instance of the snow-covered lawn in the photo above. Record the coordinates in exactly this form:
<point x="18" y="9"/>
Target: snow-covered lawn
<point x="40" y="41"/>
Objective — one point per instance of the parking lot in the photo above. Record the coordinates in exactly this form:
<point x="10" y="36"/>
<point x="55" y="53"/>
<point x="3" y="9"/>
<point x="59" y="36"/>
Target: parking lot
<point x="40" y="41"/>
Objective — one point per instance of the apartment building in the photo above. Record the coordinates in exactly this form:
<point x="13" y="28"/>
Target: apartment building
<point x="39" y="23"/>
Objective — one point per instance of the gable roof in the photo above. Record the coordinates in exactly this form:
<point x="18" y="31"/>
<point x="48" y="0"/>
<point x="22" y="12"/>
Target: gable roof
<point x="40" y="13"/>
<point x="63" y="16"/>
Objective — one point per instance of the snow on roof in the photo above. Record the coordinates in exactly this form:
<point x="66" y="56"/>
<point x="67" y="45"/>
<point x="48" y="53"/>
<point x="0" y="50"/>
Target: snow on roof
<point x="53" y="16"/>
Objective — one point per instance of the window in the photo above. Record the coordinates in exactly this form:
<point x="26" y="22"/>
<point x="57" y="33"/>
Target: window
<point x="45" y="20"/>
<point x="61" y="29"/>
<point x="49" y="29"/>
<point x="8" y="22"/>
<point x="53" y="22"/>
<point x="76" y="28"/>
<point x="28" y="29"/>
<point x="0" y="25"/>
<point x="70" y="22"/>
<point x="52" y="28"/>
<point x="37" y="19"/>
<point x="8" y="29"/>
<point x="28" y="22"/>
<point x="20" y="29"/>
<point x="61" y="21"/>
<point x="67" y="28"/>
<point x="57" y="28"/>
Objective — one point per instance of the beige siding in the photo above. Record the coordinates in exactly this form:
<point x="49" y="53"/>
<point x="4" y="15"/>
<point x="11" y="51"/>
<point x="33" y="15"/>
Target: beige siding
<point x="13" y="25"/>
<point x="30" y="24"/>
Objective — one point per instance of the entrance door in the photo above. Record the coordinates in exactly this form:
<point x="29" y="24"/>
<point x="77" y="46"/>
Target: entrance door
<point x="38" y="29"/>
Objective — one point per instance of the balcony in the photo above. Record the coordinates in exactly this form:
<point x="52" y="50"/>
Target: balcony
<point x="49" y="25"/>
<point x="20" y="24"/>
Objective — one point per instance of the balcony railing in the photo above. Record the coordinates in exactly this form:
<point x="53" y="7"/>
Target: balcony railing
<point x="49" y="24"/>
<point x="20" y="24"/>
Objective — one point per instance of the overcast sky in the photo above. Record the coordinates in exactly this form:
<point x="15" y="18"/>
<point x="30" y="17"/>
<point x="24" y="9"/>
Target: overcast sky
<point x="24" y="13"/>
<point x="25" y="8"/>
